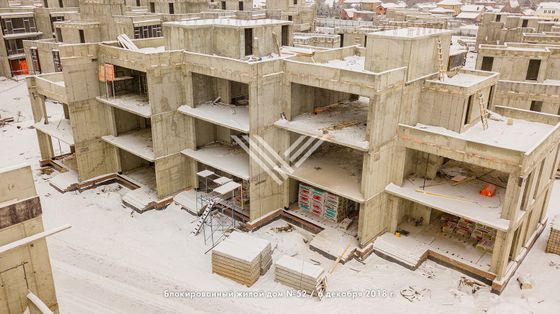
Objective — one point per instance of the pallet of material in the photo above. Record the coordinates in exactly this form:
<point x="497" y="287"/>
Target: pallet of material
<point x="242" y="258"/>
<point x="553" y="243"/>
<point x="300" y="275"/>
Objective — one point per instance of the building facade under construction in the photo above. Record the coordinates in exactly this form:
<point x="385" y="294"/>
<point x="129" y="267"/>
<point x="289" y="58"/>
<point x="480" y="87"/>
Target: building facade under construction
<point x="378" y="148"/>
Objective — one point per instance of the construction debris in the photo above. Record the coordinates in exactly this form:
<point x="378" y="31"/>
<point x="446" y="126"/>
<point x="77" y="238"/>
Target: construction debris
<point x="469" y="285"/>
<point x="5" y="121"/>
<point x="126" y="42"/>
<point x="301" y="275"/>
<point x="242" y="258"/>
<point x="412" y="294"/>
<point x="525" y="281"/>
<point x="286" y="228"/>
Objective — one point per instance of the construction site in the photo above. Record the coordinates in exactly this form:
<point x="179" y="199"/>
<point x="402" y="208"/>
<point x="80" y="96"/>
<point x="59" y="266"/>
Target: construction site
<point x="217" y="156"/>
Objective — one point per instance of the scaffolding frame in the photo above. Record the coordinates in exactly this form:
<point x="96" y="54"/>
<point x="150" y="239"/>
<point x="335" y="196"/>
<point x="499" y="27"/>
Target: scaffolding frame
<point x="217" y="199"/>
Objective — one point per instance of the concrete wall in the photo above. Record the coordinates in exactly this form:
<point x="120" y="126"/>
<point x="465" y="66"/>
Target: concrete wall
<point x="418" y="52"/>
<point x="24" y="268"/>
<point x="224" y="41"/>
<point x="521" y="94"/>
<point x="234" y="4"/>
<point x="71" y="32"/>
<point x="45" y="51"/>
<point x="179" y="6"/>
<point x="65" y="4"/>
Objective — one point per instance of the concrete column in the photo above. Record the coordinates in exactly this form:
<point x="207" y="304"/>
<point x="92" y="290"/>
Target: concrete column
<point x="45" y="145"/>
<point x="510" y="208"/>
<point x="500" y="256"/>
<point x="224" y="90"/>
<point x="514" y="193"/>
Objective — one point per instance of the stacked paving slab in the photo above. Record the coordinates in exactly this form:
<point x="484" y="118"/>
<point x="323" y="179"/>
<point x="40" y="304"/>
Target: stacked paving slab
<point x="300" y="275"/>
<point x="242" y="258"/>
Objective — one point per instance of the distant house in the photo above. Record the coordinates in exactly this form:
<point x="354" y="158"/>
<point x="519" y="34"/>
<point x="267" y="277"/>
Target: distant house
<point x="471" y="12"/>
<point x="469" y="16"/>
<point x="454" y="5"/>
<point x="361" y="10"/>
<point x="486" y="3"/>
<point x="426" y="6"/>
<point x="442" y="11"/>
<point x="550" y="10"/>
<point x="512" y="6"/>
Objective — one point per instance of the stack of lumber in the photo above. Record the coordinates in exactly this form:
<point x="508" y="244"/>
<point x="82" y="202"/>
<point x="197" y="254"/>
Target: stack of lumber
<point x="301" y="275"/>
<point x="553" y="244"/>
<point x="242" y="258"/>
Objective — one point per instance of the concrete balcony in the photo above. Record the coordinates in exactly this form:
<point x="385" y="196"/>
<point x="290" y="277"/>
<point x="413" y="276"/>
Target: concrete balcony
<point x="52" y="86"/>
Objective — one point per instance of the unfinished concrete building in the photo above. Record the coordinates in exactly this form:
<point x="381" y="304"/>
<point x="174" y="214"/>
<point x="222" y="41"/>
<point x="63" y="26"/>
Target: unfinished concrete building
<point x="529" y="75"/>
<point x="426" y="194"/>
<point x="96" y="21"/>
<point x="377" y="141"/>
<point x="21" y="23"/>
<point x="16" y="26"/>
<point x="132" y="108"/>
<point x="175" y="6"/>
<point x="105" y="20"/>
<point x="525" y="52"/>
<point x="355" y="32"/>
<point x="317" y="40"/>
<point x="499" y="28"/>
<point x="25" y="268"/>
<point x="301" y="13"/>
<point x="233" y="5"/>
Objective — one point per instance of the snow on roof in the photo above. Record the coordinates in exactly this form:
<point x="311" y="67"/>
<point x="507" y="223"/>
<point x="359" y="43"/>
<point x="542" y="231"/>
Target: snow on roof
<point x="463" y="79"/>
<point x="520" y="136"/>
<point x="471" y="26"/>
<point x="355" y="63"/>
<point x="472" y="8"/>
<point x="394" y="5"/>
<point x="549" y="5"/>
<point x="226" y="22"/>
<point x="468" y="15"/>
<point x="513" y="3"/>
<point x="450" y="2"/>
<point x="411" y="32"/>
<point x="429" y="5"/>
<point x="439" y="10"/>
<point x="350" y="12"/>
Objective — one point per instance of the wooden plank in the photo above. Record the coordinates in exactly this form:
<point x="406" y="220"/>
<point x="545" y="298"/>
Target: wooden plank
<point x="32" y="238"/>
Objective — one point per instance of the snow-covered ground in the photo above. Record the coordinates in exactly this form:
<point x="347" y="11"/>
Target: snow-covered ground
<point x="116" y="261"/>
